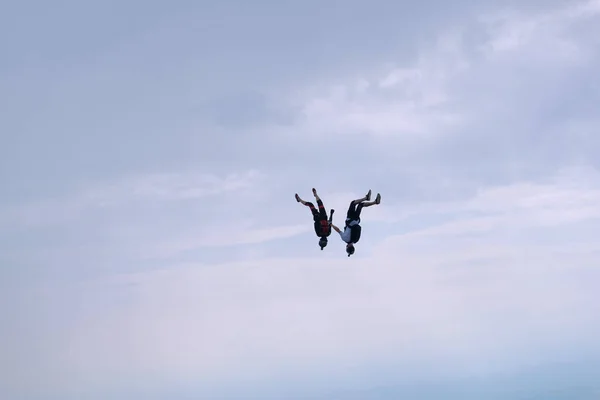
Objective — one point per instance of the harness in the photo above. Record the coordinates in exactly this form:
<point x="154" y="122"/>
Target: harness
<point x="325" y="227"/>
<point x="352" y="222"/>
<point x="355" y="229"/>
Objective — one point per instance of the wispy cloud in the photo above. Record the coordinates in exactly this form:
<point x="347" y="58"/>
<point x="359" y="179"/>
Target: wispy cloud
<point x="169" y="186"/>
<point x="511" y="211"/>
<point x="230" y="234"/>
<point x="458" y="83"/>
<point x="129" y="192"/>
<point x="404" y="101"/>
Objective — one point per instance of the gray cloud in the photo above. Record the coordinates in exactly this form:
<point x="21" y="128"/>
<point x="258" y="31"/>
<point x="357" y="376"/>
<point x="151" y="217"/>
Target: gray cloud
<point x="138" y="258"/>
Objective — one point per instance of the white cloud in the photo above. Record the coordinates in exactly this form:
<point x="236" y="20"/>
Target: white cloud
<point x="547" y="36"/>
<point x="404" y="101"/>
<point x="231" y="233"/>
<point x="169" y="186"/>
<point x="463" y="298"/>
<point x="458" y="82"/>
<point x="129" y="191"/>
<point x="514" y="218"/>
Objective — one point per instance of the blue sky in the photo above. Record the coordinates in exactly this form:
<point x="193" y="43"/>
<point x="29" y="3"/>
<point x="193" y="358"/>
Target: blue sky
<point x="151" y="246"/>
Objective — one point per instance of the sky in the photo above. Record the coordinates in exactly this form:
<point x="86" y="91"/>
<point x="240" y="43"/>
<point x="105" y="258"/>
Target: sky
<point x="150" y="243"/>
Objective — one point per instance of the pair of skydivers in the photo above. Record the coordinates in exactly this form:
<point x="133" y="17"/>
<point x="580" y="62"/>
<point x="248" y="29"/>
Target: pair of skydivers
<point x="352" y="228"/>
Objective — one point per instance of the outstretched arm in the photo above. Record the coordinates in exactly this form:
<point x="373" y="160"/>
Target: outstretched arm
<point x="336" y="228"/>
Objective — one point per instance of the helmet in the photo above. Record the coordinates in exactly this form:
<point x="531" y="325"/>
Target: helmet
<point x="350" y="249"/>
<point x="322" y="242"/>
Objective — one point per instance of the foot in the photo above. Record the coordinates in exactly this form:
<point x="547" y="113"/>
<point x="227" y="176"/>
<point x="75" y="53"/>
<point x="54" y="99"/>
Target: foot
<point x="298" y="198"/>
<point x="314" y="192"/>
<point x="368" y="196"/>
<point x="332" y="211"/>
<point x="378" y="199"/>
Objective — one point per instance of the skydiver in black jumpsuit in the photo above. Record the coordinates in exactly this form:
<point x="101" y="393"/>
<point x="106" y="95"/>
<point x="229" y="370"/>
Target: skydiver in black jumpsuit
<point x="322" y="223"/>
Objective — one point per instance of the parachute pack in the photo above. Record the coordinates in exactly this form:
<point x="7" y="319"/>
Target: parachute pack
<point x="355" y="233"/>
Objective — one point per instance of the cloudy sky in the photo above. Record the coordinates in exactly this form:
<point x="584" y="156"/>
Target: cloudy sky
<point x="151" y="246"/>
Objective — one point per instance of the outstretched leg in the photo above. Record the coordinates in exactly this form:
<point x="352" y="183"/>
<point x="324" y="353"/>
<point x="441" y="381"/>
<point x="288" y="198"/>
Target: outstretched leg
<point x="315" y="194"/>
<point x="322" y="212"/>
<point x="299" y="200"/>
<point x="356" y="205"/>
<point x="371" y="203"/>
<point x="308" y="204"/>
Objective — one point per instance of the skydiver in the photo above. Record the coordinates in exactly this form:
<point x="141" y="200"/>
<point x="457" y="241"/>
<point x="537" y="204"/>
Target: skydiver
<point x="322" y="224"/>
<point x="352" y="229"/>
